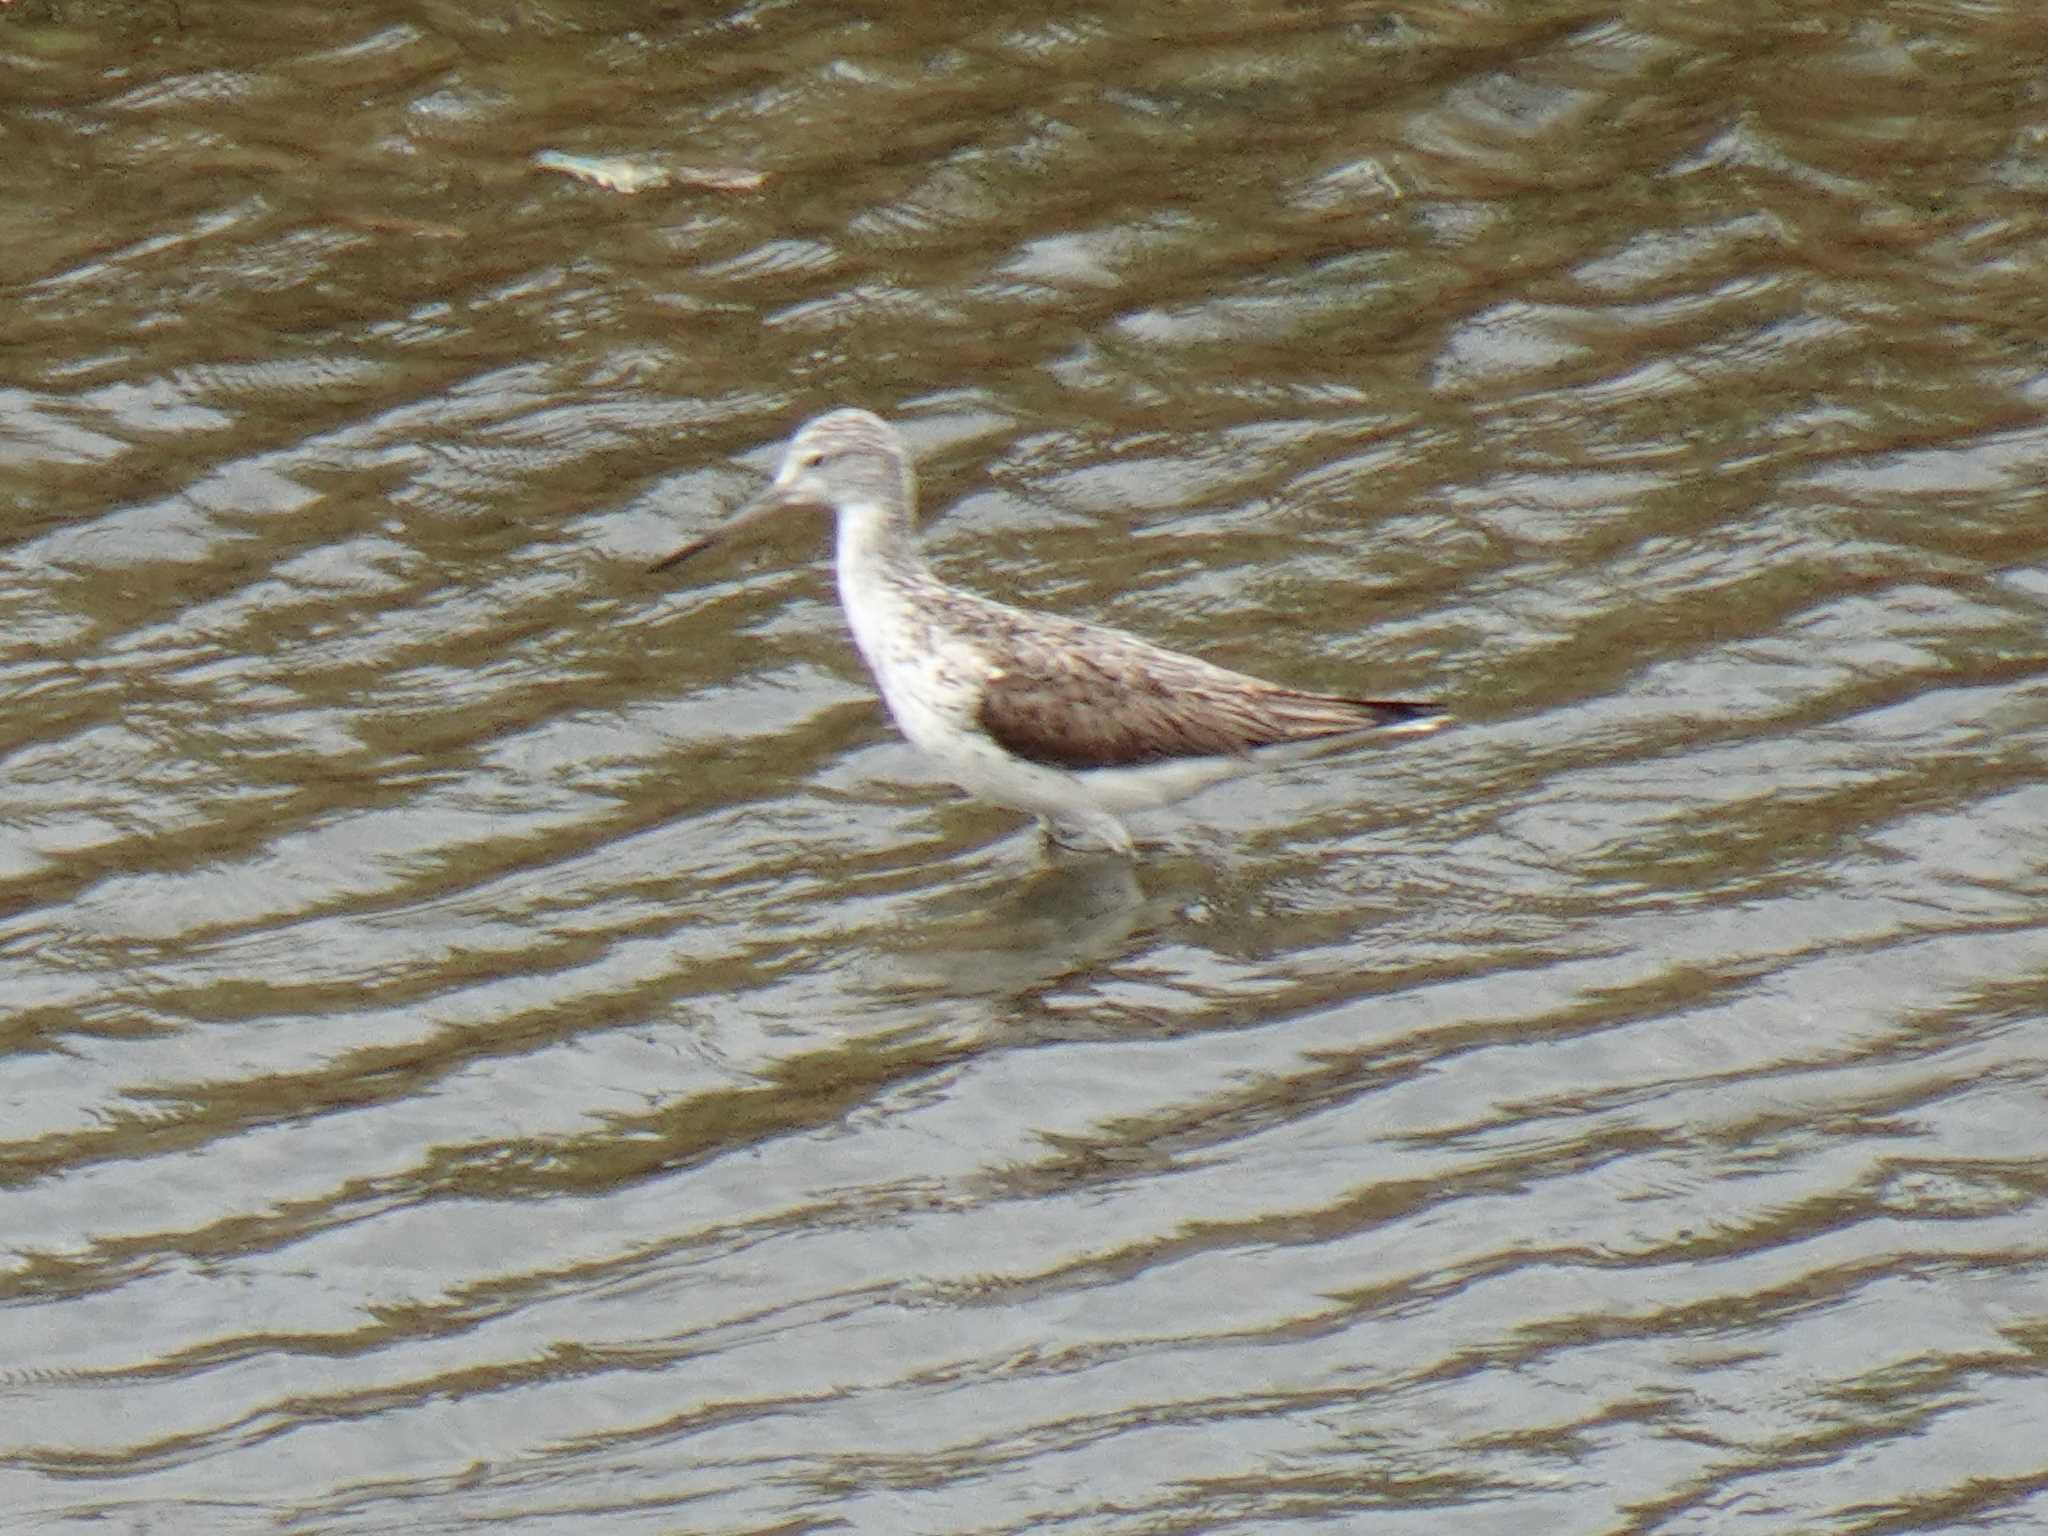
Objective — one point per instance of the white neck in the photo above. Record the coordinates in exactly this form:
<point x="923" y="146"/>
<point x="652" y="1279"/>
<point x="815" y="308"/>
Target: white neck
<point x="866" y="535"/>
<point x="876" y="552"/>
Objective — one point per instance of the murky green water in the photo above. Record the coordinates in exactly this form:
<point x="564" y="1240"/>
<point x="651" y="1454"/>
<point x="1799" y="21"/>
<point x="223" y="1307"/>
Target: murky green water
<point x="489" y="1038"/>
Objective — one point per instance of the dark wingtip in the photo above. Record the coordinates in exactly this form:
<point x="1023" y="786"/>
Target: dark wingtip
<point x="1407" y="716"/>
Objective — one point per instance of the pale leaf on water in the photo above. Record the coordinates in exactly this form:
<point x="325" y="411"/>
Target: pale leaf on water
<point x="718" y="178"/>
<point x="624" y="173"/>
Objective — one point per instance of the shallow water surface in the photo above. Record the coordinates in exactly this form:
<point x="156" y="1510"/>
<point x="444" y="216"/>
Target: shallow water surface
<point x="492" y="1037"/>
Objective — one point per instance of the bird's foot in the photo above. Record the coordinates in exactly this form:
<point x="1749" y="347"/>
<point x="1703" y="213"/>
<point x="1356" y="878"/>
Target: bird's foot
<point x="1096" y="835"/>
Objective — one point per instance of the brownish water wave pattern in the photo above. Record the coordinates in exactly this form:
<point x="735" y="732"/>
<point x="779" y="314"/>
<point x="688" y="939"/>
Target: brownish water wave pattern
<point x="491" y="1038"/>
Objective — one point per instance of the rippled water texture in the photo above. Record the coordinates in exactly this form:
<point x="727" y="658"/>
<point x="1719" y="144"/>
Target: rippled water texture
<point x="494" y="1039"/>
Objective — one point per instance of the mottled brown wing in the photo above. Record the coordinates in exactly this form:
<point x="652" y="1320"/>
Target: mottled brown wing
<point x="1106" y="700"/>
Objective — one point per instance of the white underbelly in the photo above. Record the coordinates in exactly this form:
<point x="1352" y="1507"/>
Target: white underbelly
<point x="932" y="683"/>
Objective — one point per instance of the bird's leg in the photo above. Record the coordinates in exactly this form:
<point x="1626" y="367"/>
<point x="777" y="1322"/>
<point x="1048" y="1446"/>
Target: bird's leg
<point x="1089" y="832"/>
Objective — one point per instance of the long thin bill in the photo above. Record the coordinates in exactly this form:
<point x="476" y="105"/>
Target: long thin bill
<point x="694" y="547"/>
<point x="759" y="510"/>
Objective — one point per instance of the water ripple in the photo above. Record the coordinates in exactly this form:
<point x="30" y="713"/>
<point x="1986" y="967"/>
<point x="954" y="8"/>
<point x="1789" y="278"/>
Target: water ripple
<point x="490" y="1034"/>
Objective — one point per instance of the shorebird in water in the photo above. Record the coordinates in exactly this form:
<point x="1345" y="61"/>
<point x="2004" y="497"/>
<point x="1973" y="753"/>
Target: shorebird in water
<point x="1075" y="723"/>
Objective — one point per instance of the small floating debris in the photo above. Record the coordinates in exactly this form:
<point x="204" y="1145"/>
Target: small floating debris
<point x="627" y="174"/>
